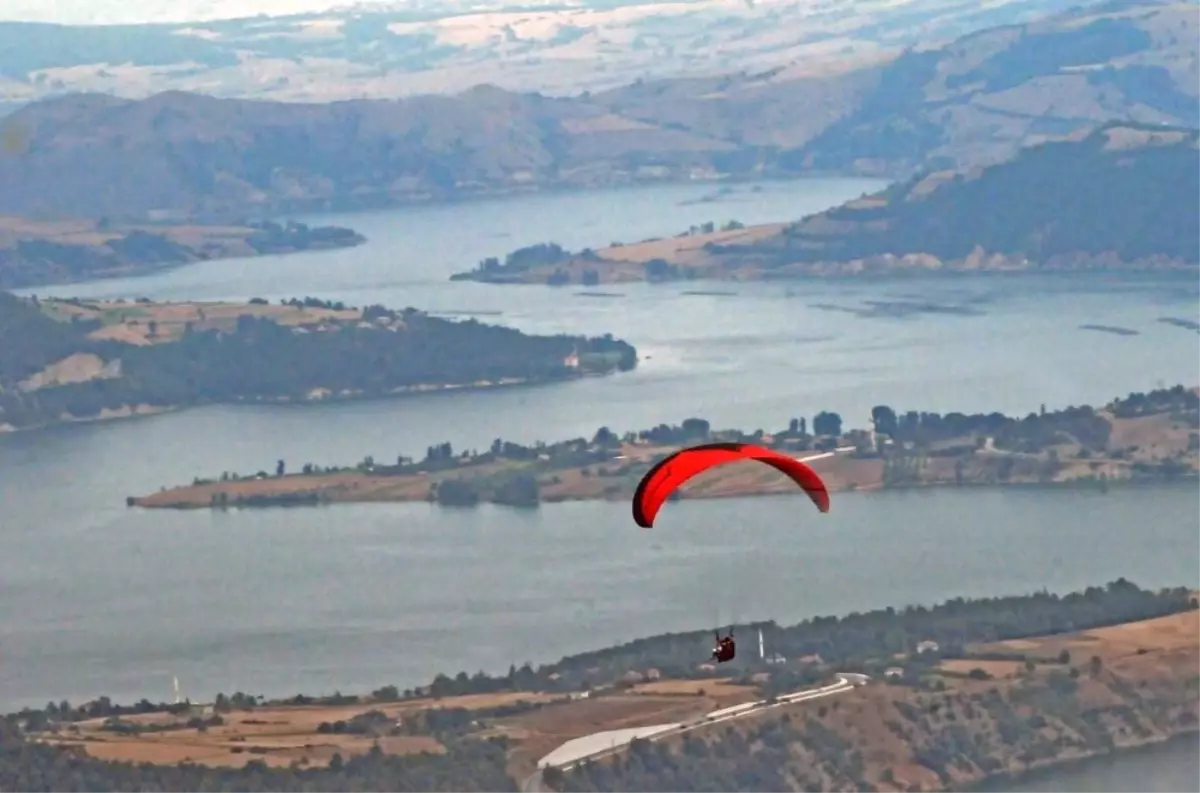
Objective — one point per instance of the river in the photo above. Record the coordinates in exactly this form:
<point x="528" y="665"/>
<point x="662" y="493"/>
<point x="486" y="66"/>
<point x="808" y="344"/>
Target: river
<point x="98" y="599"/>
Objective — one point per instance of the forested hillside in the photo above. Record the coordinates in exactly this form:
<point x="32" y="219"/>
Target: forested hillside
<point x="57" y="369"/>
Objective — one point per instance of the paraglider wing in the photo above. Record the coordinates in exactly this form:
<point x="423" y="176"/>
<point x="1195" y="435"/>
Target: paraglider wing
<point x="662" y="480"/>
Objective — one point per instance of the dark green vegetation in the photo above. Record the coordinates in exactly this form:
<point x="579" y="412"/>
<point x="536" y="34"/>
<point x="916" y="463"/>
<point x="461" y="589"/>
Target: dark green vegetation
<point x="974" y="101"/>
<point x="867" y="642"/>
<point x="31" y="260"/>
<point x="1124" y="196"/>
<point x="382" y="352"/>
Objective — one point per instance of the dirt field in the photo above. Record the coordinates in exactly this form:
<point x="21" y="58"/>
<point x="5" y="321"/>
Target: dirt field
<point x="689" y="250"/>
<point x="343" y="486"/>
<point x="626" y="263"/>
<point x="997" y="669"/>
<point x="130" y="322"/>
<point x="1152" y="436"/>
<point x="1168" y="640"/>
<point x="88" y="232"/>
<point x="278" y="736"/>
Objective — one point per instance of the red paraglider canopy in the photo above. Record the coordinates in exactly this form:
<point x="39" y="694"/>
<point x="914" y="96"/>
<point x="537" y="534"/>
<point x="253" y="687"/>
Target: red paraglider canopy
<point x="662" y="480"/>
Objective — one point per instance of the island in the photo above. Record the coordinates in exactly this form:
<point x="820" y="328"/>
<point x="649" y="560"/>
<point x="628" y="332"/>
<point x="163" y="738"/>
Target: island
<point x="1125" y="197"/>
<point x="79" y="360"/>
<point x="38" y="252"/>
<point x="901" y="698"/>
<point x="1143" y="437"/>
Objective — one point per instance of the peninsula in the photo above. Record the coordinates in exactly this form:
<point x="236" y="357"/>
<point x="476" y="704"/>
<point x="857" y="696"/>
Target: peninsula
<point x="1125" y="197"/>
<point x="33" y="252"/>
<point x="905" y="698"/>
<point x="79" y="360"/>
<point x="1145" y="436"/>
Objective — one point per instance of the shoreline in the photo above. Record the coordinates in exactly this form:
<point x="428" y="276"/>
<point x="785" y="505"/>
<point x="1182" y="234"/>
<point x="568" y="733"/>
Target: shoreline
<point x="185" y="242"/>
<point x="1078" y="486"/>
<point x="140" y="345"/>
<point x="1138" y="669"/>
<point x="143" y="272"/>
<point x="1003" y="781"/>
<point x="1154" y="447"/>
<point x="148" y="411"/>
<point x="616" y="271"/>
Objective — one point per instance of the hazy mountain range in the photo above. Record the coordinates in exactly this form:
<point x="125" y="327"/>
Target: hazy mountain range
<point x="393" y="49"/>
<point x="972" y="102"/>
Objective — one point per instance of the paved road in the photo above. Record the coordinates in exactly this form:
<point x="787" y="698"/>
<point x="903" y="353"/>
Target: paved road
<point x="846" y="682"/>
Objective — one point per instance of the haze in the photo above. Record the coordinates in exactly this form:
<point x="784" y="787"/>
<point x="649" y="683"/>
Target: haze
<point x="116" y="12"/>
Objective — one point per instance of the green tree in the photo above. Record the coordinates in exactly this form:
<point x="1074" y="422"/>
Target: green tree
<point x="827" y="423"/>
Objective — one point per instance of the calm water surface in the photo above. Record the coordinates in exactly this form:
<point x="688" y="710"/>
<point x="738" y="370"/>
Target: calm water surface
<point x="1172" y="767"/>
<point x="98" y="599"/>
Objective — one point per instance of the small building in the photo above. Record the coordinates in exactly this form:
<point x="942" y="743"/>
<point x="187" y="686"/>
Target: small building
<point x="893" y="672"/>
<point x="927" y="646"/>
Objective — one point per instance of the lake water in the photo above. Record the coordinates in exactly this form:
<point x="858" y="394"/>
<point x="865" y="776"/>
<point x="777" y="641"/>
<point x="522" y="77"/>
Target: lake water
<point x="1171" y="767"/>
<point x="97" y="599"/>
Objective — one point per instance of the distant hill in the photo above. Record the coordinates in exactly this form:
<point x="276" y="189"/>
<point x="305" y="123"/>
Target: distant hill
<point x="34" y="253"/>
<point x="974" y="101"/>
<point x="191" y="155"/>
<point x="1123" y="197"/>
<point x="73" y="360"/>
<point x="384" y="50"/>
<point x="970" y="102"/>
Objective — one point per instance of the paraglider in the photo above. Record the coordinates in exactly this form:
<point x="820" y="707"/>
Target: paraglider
<point x="664" y="478"/>
<point x="725" y="649"/>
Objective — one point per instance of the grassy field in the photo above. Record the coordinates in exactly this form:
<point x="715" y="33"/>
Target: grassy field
<point x="1170" y="642"/>
<point x="280" y="736"/>
<point x="130" y="322"/>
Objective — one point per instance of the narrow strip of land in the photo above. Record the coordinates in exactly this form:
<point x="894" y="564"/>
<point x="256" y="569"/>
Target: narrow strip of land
<point x="1144" y="437"/>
